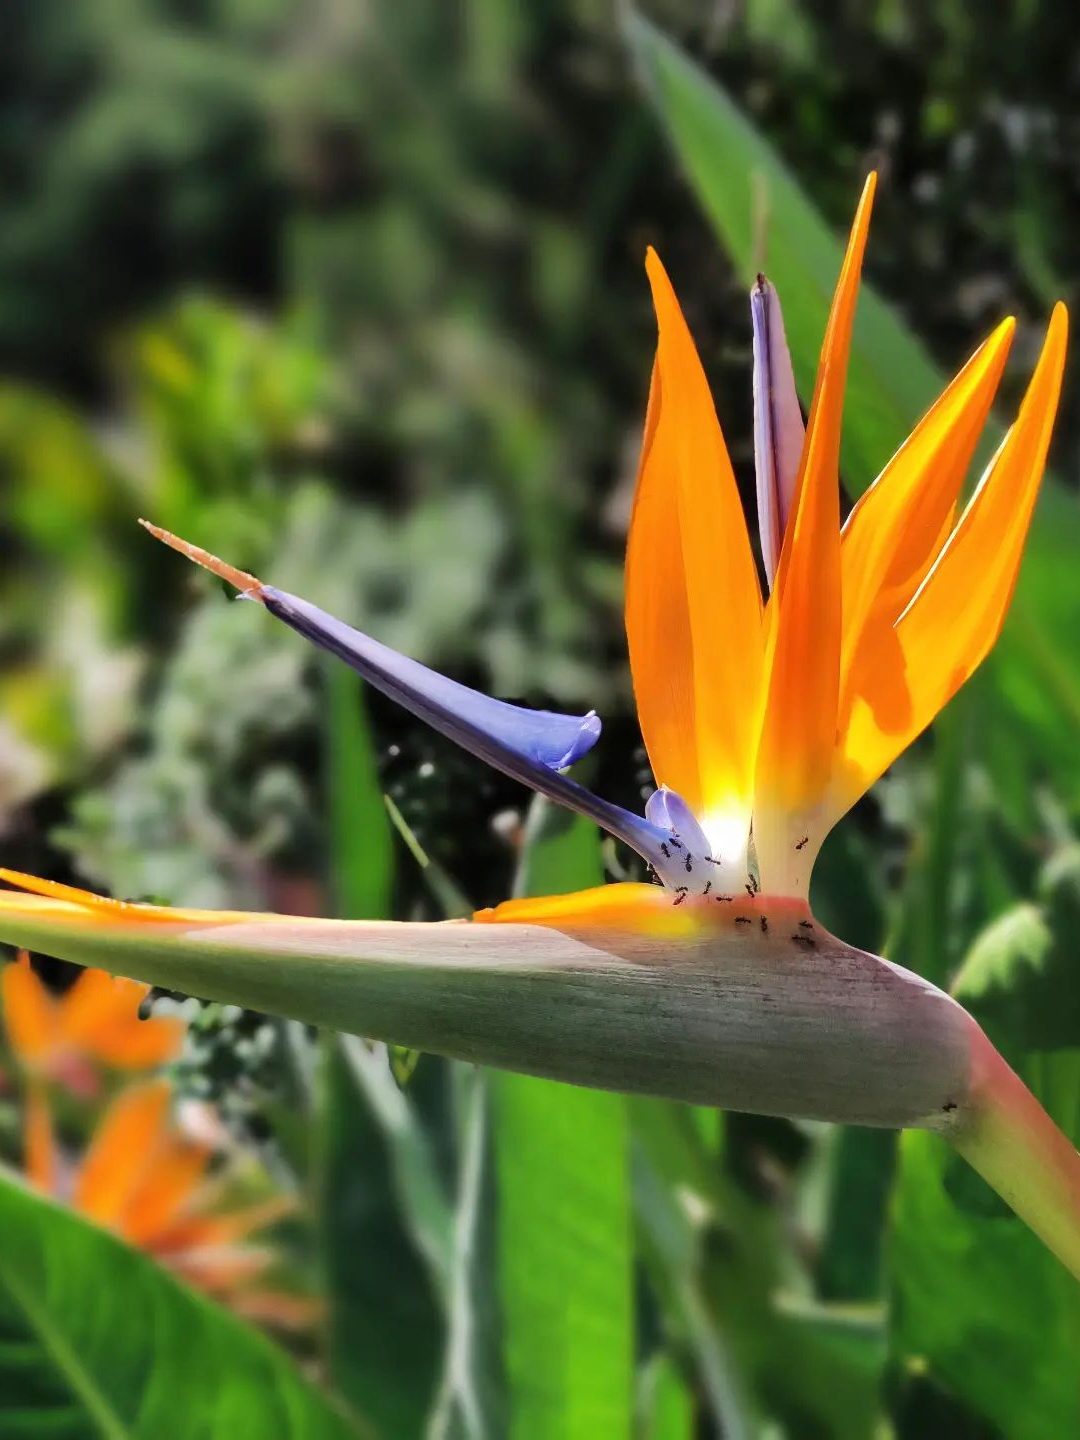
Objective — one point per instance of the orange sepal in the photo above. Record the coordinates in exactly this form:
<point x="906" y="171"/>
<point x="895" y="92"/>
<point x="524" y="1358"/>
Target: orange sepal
<point x="41" y="1159"/>
<point x="30" y="1012"/>
<point x="100" y="1014"/>
<point x="899" y="525"/>
<point x="693" y="604"/>
<point x="165" y="1192"/>
<point x="123" y="1152"/>
<point x="803" y="649"/>
<point x="630" y="907"/>
<point x="955" y="617"/>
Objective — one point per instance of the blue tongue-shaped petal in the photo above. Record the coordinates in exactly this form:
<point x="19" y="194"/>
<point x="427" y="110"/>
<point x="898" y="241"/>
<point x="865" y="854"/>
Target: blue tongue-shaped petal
<point x="533" y="746"/>
<point x="530" y="738"/>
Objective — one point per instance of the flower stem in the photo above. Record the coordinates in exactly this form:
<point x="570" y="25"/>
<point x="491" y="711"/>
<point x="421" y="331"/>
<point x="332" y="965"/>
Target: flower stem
<point x="1014" y="1145"/>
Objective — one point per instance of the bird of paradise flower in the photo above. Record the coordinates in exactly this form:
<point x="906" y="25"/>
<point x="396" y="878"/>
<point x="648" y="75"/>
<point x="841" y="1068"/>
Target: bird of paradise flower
<point x="140" y="1175"/>
<point x="65" y="1038"/>
<point x="764" y="720"/>
<point x="149" y="1183"/>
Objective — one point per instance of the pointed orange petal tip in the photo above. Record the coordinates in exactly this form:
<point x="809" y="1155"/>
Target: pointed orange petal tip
<point x="245" y="583"/>
<point x="85" y="899"/>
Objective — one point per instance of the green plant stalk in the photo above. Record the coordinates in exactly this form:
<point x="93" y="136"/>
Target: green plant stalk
<point x="740" y="1018"/>
<point x="1007" y="1136"/>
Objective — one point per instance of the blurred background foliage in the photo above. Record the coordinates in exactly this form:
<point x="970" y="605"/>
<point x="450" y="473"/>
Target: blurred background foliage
<point x="354" y="293"/>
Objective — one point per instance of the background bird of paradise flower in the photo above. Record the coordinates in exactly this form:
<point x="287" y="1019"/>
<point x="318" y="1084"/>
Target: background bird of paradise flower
<point x="356" y="294"/>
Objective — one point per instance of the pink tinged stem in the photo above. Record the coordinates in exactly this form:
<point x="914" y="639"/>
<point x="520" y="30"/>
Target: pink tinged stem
<point x="778" y="424"/>
<point x="1007" y="1136"/>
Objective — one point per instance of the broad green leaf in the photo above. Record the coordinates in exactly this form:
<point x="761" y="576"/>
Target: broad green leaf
<point x="565" y="1255"/>
<point x="981" y="1306"/>
<point x="862" y="1165"/>
<point x="98" y="1343"/>
<point x="385" y="1326"/>
<point x="667" y="1405"/>
<point x="717" y="1259"/>
<point x="747" y="190"/>
<point x="361" y="841"/>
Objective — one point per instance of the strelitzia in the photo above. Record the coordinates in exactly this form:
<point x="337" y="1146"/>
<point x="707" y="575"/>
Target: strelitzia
<point x="67" y="1038"/>
<point x="764" y="719"/>
<point x="145" y="1180"/>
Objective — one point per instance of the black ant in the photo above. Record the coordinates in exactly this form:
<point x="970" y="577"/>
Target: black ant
<point x="677" y="843"/>
<point x="708" y="887"/>
<point x="743" y="920"/>
<point x="752" y="885"/>
<point x="664" y="849"/>
<point x="800" y="843"/>
<point x="689" y="867"/>
<point x="681" y="894"/>
<point x="764" y="925"/>
<point x="805" y="925"/>
<point x="805" y="942"/>
<point x="724" y="899"/>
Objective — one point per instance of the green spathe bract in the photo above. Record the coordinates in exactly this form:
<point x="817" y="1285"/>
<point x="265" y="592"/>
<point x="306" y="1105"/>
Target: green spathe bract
<point x="753" y="1021"/>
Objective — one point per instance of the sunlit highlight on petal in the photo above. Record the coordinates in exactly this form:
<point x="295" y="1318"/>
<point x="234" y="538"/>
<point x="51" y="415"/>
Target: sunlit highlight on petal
<point x="693" y="563"/>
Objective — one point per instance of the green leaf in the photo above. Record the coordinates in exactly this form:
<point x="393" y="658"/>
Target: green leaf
<point x="98" y="1343"/>
<point x="1019" y="977"/>
<point x="718" y="1260"/>
<point x="667" y="1404"/>
<point x="979" y="1303"/>
<point x="385" y="1325"/>
<point x="956" y="1250"/>
<point x="746" y="190"/>
<point x="451" y="900"/>
<point x="361" y="841"/>
<point x="565" y="1254"/>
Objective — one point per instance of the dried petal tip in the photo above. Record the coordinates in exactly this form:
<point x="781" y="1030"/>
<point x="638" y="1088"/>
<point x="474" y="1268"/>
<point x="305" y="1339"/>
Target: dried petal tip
<point x="245" y="583"/>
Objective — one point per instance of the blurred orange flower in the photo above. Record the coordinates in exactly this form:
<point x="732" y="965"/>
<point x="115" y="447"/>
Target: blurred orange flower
<point x="148" y="1183"/>
<point x="60" y="1037"/>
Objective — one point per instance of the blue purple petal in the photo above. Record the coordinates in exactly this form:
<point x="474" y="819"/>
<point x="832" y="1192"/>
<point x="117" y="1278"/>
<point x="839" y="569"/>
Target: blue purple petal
<point x="668" y="811"/>
<point x="778" y="423"/>
<point x="533" y="746"/>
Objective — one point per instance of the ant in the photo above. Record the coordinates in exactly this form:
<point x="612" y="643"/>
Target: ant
<point x="724" y="899"/>
<point x="805" y="925"/>
<point x="743" y="920"/>
<point x="708" y="887"/>
<point x="764" y="925"/>
<point x="681" y="894"/>
<point x="664" y="849"/>
<point x="800" y="843"/>
<point x="752" y="885"/>
<point x="805" y="942"/>
<point x="689" y="867"/>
